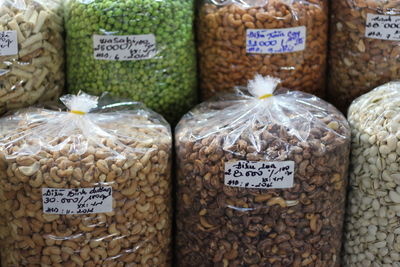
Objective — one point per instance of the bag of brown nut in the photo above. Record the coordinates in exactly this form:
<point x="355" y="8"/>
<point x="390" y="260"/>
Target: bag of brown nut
<point x="285" y="39"/>
<point x="31" y="52"/>
<point x="365" y="48"/>
<point x="261" y="180"/>
<point x="89" y="187"/>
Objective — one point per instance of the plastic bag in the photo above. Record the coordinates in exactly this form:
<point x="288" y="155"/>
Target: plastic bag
<point x="261" y="180"/>
<point x="365" y="48"/>
<point x="143" y="50"/>
<point x="372" y="222"/>
<point x="86" y="189"/>
<point x="31" y="52"/>
<point x="285" y="39"/>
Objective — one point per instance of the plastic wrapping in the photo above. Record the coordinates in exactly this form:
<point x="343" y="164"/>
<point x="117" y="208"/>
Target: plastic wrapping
<point x="31" y="52"/>
<point x="258" y="219"/>
<point x="372" y="225"/>
<point x="365" y="48"/>
<point x="143" y="50"/>
<point x="285" y="39"/>
<point x="86" y="189"/>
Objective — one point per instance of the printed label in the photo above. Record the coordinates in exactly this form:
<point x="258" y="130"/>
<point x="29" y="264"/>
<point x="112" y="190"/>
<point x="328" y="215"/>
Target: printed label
<point x="8" y="43"/>
<point x="384" y="27"/>
<point x="77" y="200"/>
<point x="259" y="174"/>
<point x="124" y="47"/>
<point x="276" y="41"/>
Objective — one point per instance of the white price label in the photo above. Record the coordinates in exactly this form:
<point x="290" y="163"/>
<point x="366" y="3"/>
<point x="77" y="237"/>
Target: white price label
<point x="77" y="200"/>
<point x="275" y="41"/>
<point x="8" y="43"/>
<point x="259" y="174"/>
<point x="384" y="27"/>
<point x="124" y="47"/>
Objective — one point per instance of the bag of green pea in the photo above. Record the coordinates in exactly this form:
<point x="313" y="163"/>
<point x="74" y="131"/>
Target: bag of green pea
<point x="138" y="49"/>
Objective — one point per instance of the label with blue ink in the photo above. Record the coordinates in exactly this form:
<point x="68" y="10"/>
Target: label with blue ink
<point x="276" y="41"/>
<point x="383" y="27"/>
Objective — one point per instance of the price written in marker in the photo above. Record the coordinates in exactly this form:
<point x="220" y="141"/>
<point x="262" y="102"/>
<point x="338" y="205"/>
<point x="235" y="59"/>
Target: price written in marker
<point x="275" y="41"/>
<point x="8" y="43"/>
<point x="259" y="174"/>
<point x="124" y="47"/>
<point x="77" y="200"/>
<point x="383" y="27"/>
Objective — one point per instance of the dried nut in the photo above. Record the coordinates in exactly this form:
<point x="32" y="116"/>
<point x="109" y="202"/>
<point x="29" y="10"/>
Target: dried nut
<point x="220" y="225"/>
<point x="359" y="63"/>
<point x="372" y="223"/>
<point x="35" y="73"/>
<point x="224" y="62"/>
<point x="135" y="233"/>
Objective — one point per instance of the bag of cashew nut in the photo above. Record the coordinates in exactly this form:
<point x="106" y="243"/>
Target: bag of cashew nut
<point x="88" y="187"/>
<point x="365" y="48"/>
<point x="281" y="38"/>
<point x="261" y="180"/>
<point x="372" y="227"/>
<point x="31" y="52"/>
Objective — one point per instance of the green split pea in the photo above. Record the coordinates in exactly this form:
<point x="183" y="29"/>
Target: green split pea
<point x="160" y="72"/>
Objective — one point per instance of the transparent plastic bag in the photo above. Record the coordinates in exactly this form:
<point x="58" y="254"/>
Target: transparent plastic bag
<point x="86" y="189"/>
<point x="373" y="205"/>
<point x="233" y="215"/>
<point x="143" y="50"/>
<point x="240" y="38"/>
<point x="31" y="52"/>
<point x="365" y="48"/>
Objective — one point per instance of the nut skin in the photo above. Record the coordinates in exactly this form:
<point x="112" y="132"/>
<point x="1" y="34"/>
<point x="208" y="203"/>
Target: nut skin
<point x="358" y="64"/>
<point x="136" y="232"/>
<point x="223" y="60"/>
<point x="166" y="83"/>
<point x="218" y="225"/>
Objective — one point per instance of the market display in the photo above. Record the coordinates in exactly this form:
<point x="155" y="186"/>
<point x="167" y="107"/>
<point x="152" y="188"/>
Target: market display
<point x="31" y="52"/>
<point x="261" y="180"/>
<point x="142" y="50"/>
<point x="285" y="39"/>
<point x="365" y="48"/>
<point x="372" y="222"/>
<point x="85" y="189"/>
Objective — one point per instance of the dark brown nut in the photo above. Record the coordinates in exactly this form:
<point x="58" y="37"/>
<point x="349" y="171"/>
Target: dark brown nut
<point x="357" y="63"/>
<point x="134" y="160"/>
<point x="219" y="225"/>
<point x="224" y="62"/>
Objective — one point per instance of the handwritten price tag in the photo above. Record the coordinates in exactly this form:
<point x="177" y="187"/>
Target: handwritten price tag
<point x="275" y="41"/>
<point x="124" y="47"/>
<point x="8" y="43"/>
<point x="259" y="174"/>
<point x="77" y="200"/>
<point x="384" y="27"/>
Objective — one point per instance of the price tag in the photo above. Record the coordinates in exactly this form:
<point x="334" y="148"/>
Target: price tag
<point x="275" y="41"/>
<point x="77" y="200"/>
<point x="124" y="47"/>
<point x="384" y="27"/>
<point x="8" y="43"/>
<point x="259" y="174"/>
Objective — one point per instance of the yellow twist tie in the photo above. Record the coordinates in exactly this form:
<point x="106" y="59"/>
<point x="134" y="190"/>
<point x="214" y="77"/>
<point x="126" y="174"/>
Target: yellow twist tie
<point x="78" y="112"/>
<point x="265" y="96"/>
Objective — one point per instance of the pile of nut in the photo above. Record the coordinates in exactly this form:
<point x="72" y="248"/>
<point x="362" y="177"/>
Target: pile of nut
<point x="358" y="63"/>
<point x="372" y="228"/>
<point x="132" y="156"/>
<point x="224" y="62"/>
<point x="36" y="72"/>
<point x="219" y="225"/>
